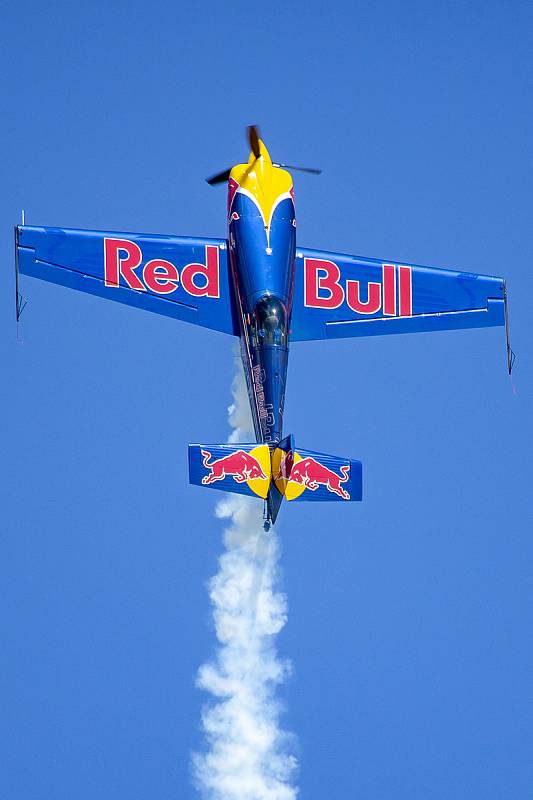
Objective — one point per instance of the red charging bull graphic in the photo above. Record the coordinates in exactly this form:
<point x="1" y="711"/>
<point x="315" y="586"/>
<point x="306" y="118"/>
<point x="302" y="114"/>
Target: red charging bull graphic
<point x="310" y="473"/>
<point x="241" y="466"/>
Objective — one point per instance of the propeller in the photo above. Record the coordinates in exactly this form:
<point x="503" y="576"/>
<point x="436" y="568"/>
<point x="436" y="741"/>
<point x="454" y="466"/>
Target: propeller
<point x="311" y="170"/>
<point x="220" y="177"/>
<point x="253" y="140"/>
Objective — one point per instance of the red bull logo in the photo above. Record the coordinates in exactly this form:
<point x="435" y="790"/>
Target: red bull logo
<point x="240" y="466"/>
<point x="291" y="471"/>
<point x="252" y="468"/>
<point x="294" y="472"/>
<point x="122" y="259"/>
<point x="310" y="473"/>
<point x="392" y="295"/>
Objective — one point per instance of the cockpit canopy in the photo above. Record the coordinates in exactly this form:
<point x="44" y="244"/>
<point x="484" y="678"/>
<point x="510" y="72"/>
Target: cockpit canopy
<point x="269" y="322"/>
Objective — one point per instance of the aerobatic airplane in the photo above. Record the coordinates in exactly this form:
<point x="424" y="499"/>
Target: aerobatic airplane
<point x="259" y="285"/>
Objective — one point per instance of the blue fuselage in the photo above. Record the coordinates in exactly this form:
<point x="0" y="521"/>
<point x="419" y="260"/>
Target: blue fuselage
<point x="262" y="256"/>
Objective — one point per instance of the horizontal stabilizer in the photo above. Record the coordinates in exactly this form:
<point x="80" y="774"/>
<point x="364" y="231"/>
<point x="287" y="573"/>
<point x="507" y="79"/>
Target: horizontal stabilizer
<point x="275" y="473"/>
<point x="310" y="475"/>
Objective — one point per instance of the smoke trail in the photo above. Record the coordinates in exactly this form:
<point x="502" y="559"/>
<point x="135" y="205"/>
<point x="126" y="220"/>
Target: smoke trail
<point x="248" y="754"/>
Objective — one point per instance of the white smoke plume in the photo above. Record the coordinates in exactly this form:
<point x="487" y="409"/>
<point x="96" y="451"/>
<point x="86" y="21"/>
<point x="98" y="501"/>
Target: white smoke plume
<point x="248" y="755"/>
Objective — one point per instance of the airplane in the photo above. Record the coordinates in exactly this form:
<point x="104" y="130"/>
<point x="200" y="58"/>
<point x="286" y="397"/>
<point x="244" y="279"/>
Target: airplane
<point x="260" y="285"/>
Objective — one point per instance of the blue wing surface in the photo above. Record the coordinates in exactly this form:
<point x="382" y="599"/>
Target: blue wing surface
<point x="181" y="277"/>
<point x="339" y="295"/>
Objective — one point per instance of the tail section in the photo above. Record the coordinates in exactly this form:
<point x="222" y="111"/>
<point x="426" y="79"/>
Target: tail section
<point x="275" y="472"/>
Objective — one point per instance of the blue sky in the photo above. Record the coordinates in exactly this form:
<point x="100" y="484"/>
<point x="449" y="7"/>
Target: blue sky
<point x="409" y="614"/>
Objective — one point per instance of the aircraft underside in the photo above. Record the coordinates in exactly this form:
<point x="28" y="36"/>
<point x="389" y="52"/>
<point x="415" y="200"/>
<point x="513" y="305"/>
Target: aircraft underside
<point x="258" y="285"/>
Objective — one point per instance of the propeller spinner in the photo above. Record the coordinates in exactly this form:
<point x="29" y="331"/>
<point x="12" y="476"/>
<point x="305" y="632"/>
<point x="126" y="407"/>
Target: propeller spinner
<point x="253" y="140"/>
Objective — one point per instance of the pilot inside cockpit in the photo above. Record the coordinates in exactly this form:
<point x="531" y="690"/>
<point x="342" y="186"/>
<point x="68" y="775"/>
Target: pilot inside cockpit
<point x="270" y="322"/>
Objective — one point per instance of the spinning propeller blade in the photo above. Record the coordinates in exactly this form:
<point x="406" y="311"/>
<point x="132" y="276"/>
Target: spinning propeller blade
<point x="220" y="177"/>
<point x="311" y="170"/>
<point x="253" y="139"/>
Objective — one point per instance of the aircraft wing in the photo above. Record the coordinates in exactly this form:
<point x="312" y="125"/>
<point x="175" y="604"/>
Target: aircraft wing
<point x="181" y="277"/>
<point x="341" y="295"/>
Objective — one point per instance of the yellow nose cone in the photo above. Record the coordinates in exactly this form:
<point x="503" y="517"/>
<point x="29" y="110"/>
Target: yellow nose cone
<point x="264" y="155"/>
<point x="265" y="183"/>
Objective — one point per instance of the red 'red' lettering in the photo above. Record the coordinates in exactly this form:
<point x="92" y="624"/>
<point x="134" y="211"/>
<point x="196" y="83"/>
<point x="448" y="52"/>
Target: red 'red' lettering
<point x="116" y="265"/>
<point x="208" y="271"/>
<point x="160" y="276"/>
<point x="389" y="290"/>
<point x="406" y="301"/>
<point x="353" y="296"/>
<point x="327" y="280"/>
